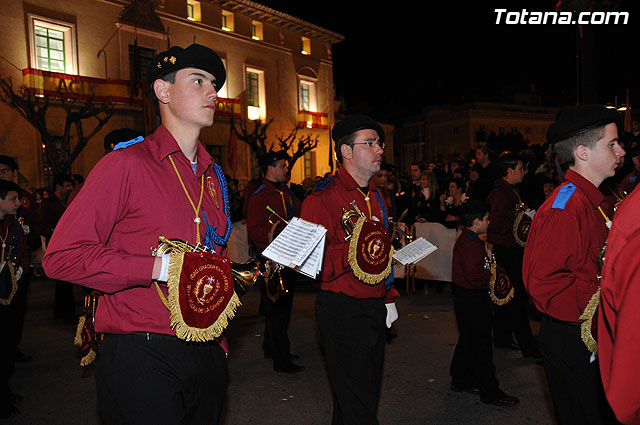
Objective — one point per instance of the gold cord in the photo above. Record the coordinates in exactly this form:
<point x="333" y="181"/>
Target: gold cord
<point x="196" y="210"/>
<point x="367" y="199"/>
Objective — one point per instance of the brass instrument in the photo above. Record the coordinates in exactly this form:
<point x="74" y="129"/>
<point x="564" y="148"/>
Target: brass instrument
<point x="244" y="274"/>
<point x="273" y="269"/>
<point x="346" y="220"/>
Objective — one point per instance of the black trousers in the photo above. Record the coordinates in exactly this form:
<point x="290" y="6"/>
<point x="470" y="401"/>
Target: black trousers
<point x="472" y="363"/>
<point x="64" y="306"/>
<point x="277" y="317"/>
<point x="8" y="328"/>
<point x="353" y="334"/>
<point x="159" y="379"/>
<point x="512" y="318"/>
<point x="574" y="382"/>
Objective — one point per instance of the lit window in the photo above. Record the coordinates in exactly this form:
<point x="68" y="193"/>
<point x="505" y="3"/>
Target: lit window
<point x="308" y="96"/>
<point x="52" y="45"/>
<point x="256" y="101"/>
<point x="306" y="46"/>
<point x="227" y="21"/>
<point x="309" y="158"/>
<point x="193" y="10"/>
<point x="256" y="30"/>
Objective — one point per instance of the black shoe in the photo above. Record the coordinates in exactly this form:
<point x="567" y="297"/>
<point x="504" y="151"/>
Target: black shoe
<point x="509" y="345"/>
<point x="6" y="413"/>
<point x="533" y="353"/>
<point x="22" y="357"/>
<point x="471" y="389"/>
<point x="288" y="368"/>
<point x="504" y="400"/>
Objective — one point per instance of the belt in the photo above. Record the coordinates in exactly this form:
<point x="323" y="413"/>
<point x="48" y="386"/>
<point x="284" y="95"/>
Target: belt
<point x="151" y="335"/>
<point x="560" y="322"/>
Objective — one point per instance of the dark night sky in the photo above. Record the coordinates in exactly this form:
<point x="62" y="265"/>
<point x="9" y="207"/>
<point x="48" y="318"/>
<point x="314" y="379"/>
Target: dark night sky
<point x="394" y="61"/>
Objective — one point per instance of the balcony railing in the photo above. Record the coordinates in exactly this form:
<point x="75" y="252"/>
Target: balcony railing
<point x="55" y="84"/>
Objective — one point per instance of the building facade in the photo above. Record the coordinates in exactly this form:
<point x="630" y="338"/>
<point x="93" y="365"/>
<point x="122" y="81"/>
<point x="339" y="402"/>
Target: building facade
<point x="279" y="68"/>
<point x="443" y="133"/>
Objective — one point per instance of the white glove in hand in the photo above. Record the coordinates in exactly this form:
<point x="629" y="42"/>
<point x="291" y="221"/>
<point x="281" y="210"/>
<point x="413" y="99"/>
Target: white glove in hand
<point x="19" y="273"/>
<point x="164" y="269"/>
<point x="392" y="314"/>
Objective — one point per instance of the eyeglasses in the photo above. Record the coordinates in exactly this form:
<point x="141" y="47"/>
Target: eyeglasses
<point x="371" y="143"/>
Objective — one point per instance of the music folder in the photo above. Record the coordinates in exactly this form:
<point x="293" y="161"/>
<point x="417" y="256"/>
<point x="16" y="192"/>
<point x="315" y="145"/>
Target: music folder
<point x="414" y="252"/>
<point x="300" y="246"/>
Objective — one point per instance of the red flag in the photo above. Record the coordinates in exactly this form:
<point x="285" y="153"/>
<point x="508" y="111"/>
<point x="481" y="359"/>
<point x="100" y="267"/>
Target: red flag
<point x="232" y="150"/>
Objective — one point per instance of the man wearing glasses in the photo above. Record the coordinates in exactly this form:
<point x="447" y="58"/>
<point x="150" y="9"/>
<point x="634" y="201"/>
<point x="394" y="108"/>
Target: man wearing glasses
<point x="355" y="298"/>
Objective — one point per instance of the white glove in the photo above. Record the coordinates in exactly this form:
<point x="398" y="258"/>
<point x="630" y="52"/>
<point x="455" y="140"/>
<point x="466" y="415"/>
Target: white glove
<point x="19" y="273"/>
<point x="164" y="269"/>
<point x="392" y="313"/>
<point x="26" y="229"/>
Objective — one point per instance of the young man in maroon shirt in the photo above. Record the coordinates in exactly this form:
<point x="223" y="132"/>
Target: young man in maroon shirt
<point x="561" y="270"/>
<point x="168" y="185"/>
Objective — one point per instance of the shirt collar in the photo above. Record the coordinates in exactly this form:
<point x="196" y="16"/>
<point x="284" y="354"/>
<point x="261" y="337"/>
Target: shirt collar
<point x="470" y="233"/>
<point x="168" y="145"/>
<point x="343" y="175"/>
<point x="591" y="192"/>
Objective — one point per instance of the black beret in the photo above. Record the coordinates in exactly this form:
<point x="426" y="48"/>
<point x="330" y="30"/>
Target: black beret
<point x="352" y="123"/>
<point x="194" y="56"/>
<point x="8" y="161"/>
<point x="120" y="135"/>
<point x="271" y="157"/>
<point x="472" y="207"/>
<point x="577" y="120"/>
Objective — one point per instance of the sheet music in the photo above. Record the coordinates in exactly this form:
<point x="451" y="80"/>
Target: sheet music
<point x="313" y="264"/>
<point x="415" y="251"/>
<point x="295" y="243"/>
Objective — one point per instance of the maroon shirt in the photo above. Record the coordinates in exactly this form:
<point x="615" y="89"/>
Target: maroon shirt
<point x="324" y="206"/>
<point x="132" y="196"/>
<point x="619" y="313"/>
<point x="49" y="213"/>
<point x="560" y="266"/>
<point x="469" y="255"/>
<point x="503" y="200"/>
<point x="280" y="198"/>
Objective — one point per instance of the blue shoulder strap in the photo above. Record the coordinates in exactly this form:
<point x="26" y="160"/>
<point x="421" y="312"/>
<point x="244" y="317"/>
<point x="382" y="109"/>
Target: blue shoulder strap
<point x="262" y="186"/>
<point x="384" y="210"/>
<point x="563" y="196"/>
<point x="128" y="143"/>
<point x="323" y="184"/>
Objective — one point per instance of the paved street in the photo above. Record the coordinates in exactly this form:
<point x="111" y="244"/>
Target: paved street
<point x="415" y="388"/>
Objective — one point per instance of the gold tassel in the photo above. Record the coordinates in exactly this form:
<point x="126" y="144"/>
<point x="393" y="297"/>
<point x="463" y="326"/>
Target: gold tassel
<point x="585" y="327"/>
<point x="368" y="278"/>
<point x="492" y="286"/>
<point x="515" y="229"/>
<point x="14" y="285"/>
<point x="77" y="341"/>
<point x="182" y="330"/>
<point x="88" y="359"/>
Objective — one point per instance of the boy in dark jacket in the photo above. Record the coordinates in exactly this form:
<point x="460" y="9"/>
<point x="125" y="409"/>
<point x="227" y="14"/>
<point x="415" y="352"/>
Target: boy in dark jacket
<point x="472" y="369"/>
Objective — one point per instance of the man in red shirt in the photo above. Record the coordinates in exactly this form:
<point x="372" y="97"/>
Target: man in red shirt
<point x="561" y="270"/>
<point x="274" y="193"/>
<point x="619" y="313"/>
<point x="511" y="318"/>
<point x="165" y="185"/>
<point x="351" y="314"/>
